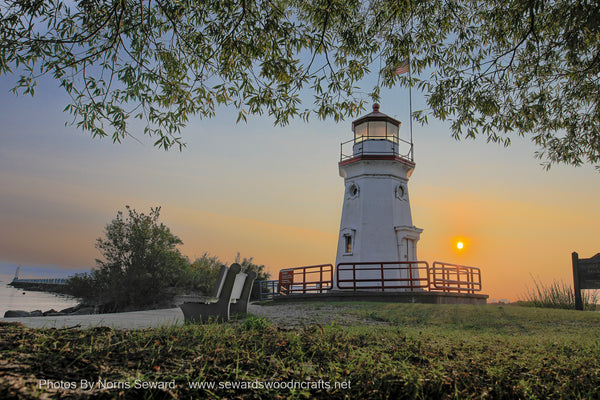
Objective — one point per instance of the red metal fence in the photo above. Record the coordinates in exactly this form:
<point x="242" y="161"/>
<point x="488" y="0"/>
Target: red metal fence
<point x="383" y="275"/>
<point x="308" y="279"/>
<point x="388" y="275"/>
<point x="454" y="278"/>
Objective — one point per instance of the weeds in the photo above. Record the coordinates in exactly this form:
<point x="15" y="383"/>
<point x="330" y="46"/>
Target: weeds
<point x="558" y="295"/>
<point x="255" y="323"/>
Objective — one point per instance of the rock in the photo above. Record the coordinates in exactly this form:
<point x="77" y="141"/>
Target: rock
<point x="70" y="310"/>
<point x="83" y="311"/>
<point x="36" y="313"/>
<point x="16" y="314"/>
<point x="53" y="313"/>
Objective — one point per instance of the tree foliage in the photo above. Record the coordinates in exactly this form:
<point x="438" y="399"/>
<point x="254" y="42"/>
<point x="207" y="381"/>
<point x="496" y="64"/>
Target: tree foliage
<point x="248" y="265"/>
<point x="141" y="266"/>
<point x="493" y="68"/>
<point x="140" y="262"/>
<point x="202" y="274"/>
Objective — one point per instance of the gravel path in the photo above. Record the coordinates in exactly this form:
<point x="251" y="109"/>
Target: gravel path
<point x="304" y="314"/>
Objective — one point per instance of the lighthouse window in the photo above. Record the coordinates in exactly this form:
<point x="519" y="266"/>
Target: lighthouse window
<point x="348" y="243"/>
<point x="361" y="132"/>
<point x="400" y="192"/>
<point x="377" y="129"/>
<point x="353" y="191"/>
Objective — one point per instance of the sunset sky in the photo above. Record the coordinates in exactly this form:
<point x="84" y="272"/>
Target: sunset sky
<point x="274" y="193"/>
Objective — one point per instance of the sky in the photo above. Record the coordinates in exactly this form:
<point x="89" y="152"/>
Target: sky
<point x="275" y="194"/>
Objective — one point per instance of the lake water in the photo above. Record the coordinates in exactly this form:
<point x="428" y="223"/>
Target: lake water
<point x="27" y="300"/>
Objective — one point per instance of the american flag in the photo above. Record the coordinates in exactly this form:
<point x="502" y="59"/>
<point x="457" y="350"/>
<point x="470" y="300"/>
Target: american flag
<point x="402" y="68"/>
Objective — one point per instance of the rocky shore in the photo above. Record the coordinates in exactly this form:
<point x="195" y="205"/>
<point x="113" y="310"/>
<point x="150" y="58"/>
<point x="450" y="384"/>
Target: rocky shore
<point x="79" y="309"/>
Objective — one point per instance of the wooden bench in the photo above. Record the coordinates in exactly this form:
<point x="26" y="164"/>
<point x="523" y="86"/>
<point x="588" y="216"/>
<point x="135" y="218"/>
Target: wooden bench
<point x="232" y="296"/>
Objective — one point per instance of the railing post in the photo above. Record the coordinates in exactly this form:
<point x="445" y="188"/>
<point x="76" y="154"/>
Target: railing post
<point x="321" y="279"/>
<point x="446" y="278"/>
<point x="472" y="280"/>
<point x="304" y="279"/>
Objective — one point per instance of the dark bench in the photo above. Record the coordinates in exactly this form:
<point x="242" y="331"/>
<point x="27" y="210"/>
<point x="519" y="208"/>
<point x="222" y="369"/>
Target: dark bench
<point x="232" y="293"/>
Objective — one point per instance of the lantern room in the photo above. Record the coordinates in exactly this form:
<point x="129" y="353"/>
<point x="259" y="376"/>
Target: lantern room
<point x="376" y="126"/>
<point x="377" y="134"/>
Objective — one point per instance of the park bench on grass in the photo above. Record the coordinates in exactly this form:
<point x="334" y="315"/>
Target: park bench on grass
<point x="232" y="293"/>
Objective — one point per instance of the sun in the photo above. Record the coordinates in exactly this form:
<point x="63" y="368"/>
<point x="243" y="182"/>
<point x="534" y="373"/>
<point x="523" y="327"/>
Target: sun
<point x="460" y="245"/>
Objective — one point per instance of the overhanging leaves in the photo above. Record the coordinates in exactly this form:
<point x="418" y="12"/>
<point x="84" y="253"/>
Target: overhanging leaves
<point x="492" y="68"/>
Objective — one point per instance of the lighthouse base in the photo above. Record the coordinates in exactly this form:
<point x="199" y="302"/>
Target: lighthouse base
<point x="389" y="297"/>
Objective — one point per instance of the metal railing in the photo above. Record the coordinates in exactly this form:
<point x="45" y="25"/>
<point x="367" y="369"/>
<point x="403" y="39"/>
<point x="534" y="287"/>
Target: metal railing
<point x="307" y="279"/>
<point x="347" y="148"/>
<point x="383" y="275"/>
<point x="268" y="289"/>
<point x="447" y="277"/>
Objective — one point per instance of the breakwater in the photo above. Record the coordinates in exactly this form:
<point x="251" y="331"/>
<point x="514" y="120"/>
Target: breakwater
<point x="56" y="285"/>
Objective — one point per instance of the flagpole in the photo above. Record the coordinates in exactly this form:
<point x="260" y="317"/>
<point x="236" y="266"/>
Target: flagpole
<point x="403" y="68"/>
<point x="412" y="150"/>
<point x="412" y="147"/>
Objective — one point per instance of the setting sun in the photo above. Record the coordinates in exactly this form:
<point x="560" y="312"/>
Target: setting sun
<point x="460" y="245"/>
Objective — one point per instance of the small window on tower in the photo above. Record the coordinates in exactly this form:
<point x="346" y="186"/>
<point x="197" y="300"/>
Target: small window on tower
<point x="353" y="191"/>
<point x="348" y="243"/>
<point x="400" y="192"/>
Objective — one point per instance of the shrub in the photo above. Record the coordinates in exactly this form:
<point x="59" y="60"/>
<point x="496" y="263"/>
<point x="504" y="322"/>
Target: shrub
<point x="140" y="262"/>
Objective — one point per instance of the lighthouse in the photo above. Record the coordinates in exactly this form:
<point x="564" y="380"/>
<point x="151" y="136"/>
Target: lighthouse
<point x="376" y="224"/>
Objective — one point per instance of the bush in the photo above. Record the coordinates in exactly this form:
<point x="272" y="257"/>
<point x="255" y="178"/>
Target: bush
<point x="140" y="263"/>
<point x="202" y="274"/>
<point x="141" y="266"/>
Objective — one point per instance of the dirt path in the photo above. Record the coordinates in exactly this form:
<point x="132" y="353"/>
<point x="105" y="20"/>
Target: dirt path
<point x="305" y="314"/>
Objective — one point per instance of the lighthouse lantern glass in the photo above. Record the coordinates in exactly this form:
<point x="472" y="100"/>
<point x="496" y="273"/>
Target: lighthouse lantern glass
<point x="379" y="130"/>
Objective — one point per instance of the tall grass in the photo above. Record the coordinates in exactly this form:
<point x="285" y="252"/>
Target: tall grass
<point x="558" y="295"/>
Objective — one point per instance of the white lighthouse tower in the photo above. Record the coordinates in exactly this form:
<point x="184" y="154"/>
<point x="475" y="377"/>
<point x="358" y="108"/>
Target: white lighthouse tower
<point x="376" y="224"/>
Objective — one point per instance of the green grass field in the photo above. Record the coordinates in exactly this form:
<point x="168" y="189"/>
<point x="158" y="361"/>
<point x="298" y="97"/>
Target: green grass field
<point x="400" y="351"/>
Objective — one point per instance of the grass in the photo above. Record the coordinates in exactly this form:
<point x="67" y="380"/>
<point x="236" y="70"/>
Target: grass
<point x="558" y="295"/>
<point x="401" y="351"/>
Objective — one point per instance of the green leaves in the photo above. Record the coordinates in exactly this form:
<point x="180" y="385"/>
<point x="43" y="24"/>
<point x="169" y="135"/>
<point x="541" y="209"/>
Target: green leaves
<point x="492" y="68"/>
<point x="139" y="262"/>
<point x="509" y="67"/>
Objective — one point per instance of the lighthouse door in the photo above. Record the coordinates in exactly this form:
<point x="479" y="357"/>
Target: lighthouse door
<point x="407" y="249"/>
